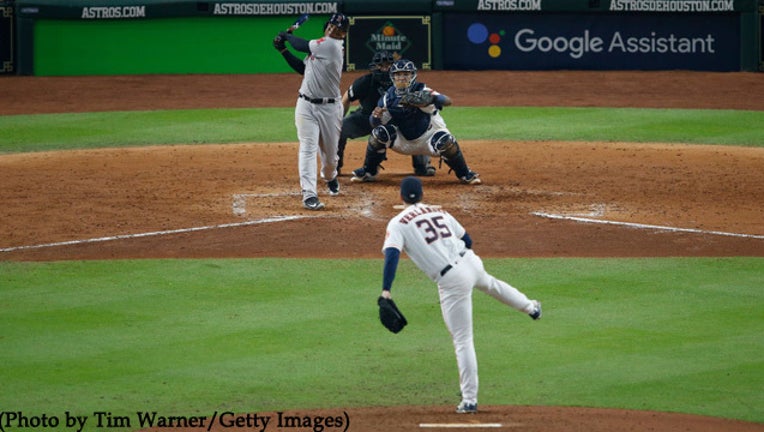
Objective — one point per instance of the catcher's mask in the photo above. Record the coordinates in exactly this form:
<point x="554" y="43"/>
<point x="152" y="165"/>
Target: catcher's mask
<point x="380" y="67"/>
<point x="403" y="74"/>
<point x="381" y="60"/>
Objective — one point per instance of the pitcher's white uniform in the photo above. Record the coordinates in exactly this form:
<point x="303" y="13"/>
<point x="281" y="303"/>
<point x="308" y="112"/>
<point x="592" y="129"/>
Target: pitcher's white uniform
<point x="319" y="112"/>
<point x="432" y="238"/>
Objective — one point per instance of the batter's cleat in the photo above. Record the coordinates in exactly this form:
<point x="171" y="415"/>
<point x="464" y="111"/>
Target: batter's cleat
<point x="427" y="171"/>
<point x="334" y="186"/>
<point x="535" y="314"/>
<point x="361" y="175"/>
<point x="466" y="408"/>
<point x="312" y="203"/>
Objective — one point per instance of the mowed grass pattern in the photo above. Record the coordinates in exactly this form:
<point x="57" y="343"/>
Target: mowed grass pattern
<point x="193" y="336"/>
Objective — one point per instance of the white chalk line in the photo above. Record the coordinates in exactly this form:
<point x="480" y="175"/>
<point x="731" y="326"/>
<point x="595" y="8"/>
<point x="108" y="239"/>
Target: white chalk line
<point x="645" y="226"/>
<point x="461" y="425"/>
<point x="156" y="233"/>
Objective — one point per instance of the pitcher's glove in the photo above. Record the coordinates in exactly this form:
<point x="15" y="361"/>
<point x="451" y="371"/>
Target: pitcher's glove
<point x="390" y="316"/>
<point x="420" y="98"/>
<point x="279" y="42"/>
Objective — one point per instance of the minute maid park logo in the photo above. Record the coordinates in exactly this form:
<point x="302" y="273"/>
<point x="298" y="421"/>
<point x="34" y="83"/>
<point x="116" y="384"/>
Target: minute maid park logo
<point x="388" y="38"/>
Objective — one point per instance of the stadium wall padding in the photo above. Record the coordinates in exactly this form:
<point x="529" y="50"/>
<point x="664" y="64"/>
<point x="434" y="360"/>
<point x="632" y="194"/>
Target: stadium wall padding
<point x="122" y="37"/>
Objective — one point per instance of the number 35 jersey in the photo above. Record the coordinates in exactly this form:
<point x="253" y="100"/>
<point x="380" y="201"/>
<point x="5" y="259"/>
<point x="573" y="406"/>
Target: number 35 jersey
<point x="430" y="236"/>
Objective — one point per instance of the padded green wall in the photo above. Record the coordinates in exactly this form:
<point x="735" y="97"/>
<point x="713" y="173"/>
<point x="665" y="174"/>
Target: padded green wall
<point x="217" y="45"/>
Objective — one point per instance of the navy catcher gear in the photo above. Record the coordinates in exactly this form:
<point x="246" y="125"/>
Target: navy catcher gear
<point x="418" y="99"/>
<point x="382" y="137"/>
<point x="405" y="70"/>
<point x="445" y="144"/>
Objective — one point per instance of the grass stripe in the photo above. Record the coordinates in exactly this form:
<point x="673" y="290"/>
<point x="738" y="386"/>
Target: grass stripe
<point x="190" y="336"/>
<point x="25" y="133"/>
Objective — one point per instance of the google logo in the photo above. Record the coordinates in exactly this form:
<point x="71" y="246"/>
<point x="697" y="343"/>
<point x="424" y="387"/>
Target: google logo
<point x="478" y="33"/>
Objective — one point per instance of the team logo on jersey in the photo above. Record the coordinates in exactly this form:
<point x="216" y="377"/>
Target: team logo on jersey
<point x="389" y="38"/>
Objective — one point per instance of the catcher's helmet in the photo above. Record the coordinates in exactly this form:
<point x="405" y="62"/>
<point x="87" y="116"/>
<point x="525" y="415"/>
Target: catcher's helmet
<point x="340" y="21"/>
<point x="407" y="71"/>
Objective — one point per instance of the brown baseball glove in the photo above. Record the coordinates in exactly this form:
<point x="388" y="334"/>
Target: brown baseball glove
<point x="420" y="98"/>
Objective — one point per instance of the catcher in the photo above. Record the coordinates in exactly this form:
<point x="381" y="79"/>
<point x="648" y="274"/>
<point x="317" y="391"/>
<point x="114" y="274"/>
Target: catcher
<point x="407" y="120"/>
<point x="440" y="246"/>
<point x="367" y="89"/>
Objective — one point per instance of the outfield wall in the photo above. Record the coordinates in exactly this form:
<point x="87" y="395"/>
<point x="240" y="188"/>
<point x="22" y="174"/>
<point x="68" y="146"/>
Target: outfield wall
<point x="115" y="37"/>
<point x="7" y="39"/>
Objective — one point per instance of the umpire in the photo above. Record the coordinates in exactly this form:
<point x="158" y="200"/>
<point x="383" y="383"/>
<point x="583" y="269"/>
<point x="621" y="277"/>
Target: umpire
<point x="367" y="90"/>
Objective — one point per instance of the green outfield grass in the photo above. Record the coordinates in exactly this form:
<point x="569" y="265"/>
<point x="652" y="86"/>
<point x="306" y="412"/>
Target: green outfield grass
<point x="186" y="337"/>
<point x="24" y="133"/>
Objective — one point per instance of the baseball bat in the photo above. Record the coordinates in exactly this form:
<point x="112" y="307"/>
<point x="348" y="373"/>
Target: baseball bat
<point x="300" y="21"/>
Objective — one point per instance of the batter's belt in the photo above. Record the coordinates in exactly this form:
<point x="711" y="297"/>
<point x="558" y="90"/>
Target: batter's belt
<point x="317" y="100"/>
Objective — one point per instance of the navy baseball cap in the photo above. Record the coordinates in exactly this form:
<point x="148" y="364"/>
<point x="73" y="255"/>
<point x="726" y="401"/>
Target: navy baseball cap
<point x="411" y="190"/>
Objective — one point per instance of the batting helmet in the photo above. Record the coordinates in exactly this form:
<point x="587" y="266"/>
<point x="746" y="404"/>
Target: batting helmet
<point x="403" y="67"/>
<point x="340" y="21"/>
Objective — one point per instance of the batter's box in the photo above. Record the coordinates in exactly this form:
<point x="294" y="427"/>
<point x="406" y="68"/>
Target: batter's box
<point x="254" y="205"/>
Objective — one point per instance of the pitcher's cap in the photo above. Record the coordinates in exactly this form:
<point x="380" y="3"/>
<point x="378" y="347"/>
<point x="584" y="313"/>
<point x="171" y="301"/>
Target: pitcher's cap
<point x="411" y="190"/>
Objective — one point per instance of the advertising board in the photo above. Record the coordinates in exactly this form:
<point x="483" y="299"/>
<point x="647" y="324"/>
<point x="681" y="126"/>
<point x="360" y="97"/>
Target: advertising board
<point x="405" y="36"/>
<point x="592" y="41"/>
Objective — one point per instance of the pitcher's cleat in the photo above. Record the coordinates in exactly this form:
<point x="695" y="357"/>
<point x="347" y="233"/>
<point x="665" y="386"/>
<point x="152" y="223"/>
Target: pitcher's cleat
<point x="466" y="408"/>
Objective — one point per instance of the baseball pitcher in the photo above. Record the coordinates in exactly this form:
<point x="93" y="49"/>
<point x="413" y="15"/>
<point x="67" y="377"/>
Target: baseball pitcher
<point x="440" y="246"/>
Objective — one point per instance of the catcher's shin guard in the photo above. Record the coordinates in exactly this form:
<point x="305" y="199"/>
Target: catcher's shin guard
<point x="458" y="165"/>
<point x="374" y="158"/>
<point x="445" y="144"/>
<point x="382" y="137"/>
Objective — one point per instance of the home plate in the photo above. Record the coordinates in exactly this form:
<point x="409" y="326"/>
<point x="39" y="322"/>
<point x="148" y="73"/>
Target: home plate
<point x="459" y="425"/>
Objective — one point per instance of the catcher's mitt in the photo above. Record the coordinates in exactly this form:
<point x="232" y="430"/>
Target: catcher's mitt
<point x="420" y="98"/>
<point x="390" y="316"/>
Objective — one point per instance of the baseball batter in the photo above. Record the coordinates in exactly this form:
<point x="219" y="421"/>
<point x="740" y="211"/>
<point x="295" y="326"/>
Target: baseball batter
<point x="318" y="114"/>
<point x="411" y="129"/>
<point x="440" y="246"/>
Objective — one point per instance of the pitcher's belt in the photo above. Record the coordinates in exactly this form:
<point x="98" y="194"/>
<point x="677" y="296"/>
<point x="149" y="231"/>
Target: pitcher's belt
<point x="449" y="267"/>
